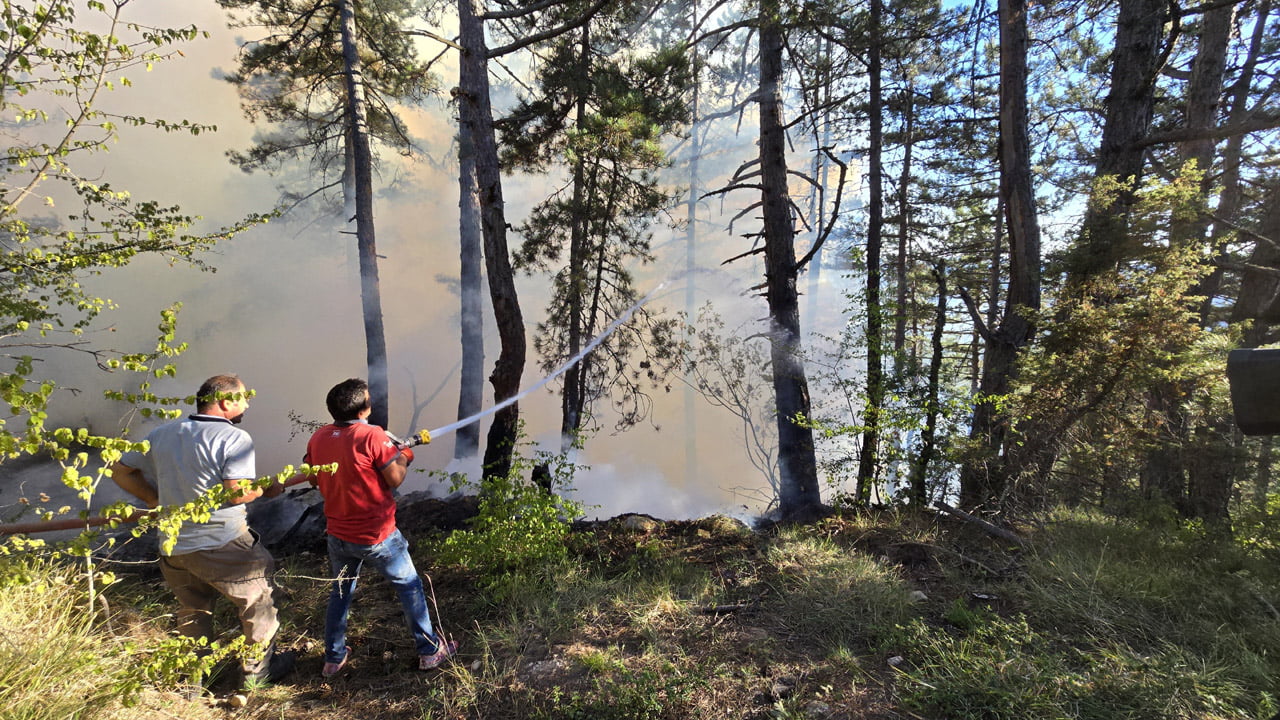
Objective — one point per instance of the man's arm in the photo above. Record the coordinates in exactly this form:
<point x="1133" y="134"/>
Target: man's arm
<point x="242" y="491"/>
<point x="130" y="480"/>
<point x="394" y="473"/>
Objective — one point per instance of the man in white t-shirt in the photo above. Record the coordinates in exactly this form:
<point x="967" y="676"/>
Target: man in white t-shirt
<point x="218" y="557"/>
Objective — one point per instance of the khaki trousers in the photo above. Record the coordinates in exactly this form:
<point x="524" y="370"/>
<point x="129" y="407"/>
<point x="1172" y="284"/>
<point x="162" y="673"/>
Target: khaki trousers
<point x="242" y="572"/>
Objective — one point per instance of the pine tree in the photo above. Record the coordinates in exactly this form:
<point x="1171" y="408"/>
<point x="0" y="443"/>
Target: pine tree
<point x="326" y="76"/>
<point x="602" y="110"/>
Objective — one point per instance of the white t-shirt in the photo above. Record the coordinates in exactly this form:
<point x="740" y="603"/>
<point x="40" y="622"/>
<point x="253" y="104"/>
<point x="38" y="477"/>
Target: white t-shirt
<point x="187" y="458"/>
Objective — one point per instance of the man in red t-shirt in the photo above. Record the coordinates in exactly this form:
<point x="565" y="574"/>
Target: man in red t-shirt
<point x="360" y="509"/>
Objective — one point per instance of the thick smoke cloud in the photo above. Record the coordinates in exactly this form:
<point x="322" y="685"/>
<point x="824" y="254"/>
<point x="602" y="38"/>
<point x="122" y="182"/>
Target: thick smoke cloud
<point x="283" y="307"/>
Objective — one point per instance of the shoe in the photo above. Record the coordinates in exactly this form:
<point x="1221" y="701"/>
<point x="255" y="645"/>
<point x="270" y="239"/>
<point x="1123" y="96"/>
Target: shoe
<point x="445" y="651"/>
<point x="333" y="668"/>
<point x="280" y="665"/>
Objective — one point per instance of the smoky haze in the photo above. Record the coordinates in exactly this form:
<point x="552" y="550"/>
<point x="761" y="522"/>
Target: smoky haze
<point x="283" y="308"/>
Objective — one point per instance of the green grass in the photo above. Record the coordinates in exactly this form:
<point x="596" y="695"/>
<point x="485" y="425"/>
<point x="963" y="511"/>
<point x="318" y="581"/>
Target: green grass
<point x="1098" y="620"/>
<point x="830" y="597"/>
<point x="56" y="661"/>
<point x="1109" y="620"/>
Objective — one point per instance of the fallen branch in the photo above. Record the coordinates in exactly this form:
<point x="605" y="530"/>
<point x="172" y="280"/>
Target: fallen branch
<point x="965" y="558"/>
<point x="725" y="609"/>
<point x="990" y="528"/>
<point x="1271" y="609"/>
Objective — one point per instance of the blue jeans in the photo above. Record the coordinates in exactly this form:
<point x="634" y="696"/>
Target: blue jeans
<point x="391" y="558"/>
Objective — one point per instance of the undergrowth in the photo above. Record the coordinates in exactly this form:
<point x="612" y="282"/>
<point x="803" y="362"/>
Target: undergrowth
<point x="1109" y="620"/>
<point x="59" y="661"/>
<point x="1097" y="619"/>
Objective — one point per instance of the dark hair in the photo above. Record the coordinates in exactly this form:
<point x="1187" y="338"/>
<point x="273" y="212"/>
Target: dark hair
<point x="218" y="387"/>
<point x="346" y="399"/>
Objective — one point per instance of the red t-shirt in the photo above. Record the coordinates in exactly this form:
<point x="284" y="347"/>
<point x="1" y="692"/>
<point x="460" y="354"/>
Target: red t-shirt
<point x="358" y="505"/>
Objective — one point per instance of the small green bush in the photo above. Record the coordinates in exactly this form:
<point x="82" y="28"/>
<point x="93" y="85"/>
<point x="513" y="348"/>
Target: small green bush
<point x="519" y="526"/>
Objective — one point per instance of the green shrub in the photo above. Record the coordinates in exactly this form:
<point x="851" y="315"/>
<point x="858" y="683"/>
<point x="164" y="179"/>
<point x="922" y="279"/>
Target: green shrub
<point x="519" y="525"/>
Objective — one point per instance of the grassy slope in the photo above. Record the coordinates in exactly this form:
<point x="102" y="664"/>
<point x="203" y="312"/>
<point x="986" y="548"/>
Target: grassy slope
<point x="1097" y="619"/>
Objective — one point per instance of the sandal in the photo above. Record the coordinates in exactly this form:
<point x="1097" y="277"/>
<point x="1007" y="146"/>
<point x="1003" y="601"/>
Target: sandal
<point x="333" y="668"/>
<point x="444" y="651"/>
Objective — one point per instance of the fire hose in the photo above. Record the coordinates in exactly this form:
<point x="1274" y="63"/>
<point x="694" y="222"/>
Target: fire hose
<point x="421" y="437"/>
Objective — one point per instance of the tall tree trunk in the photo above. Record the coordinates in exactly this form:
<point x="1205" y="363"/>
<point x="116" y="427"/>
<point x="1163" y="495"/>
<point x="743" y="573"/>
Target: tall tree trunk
<point x="918" y="490"/>
<point x="984" y="482"/>
<point x="691" y="262"/>
<point x="904" y="228"/>
<point x="471" y="385"/>
<point x="370" y="294"/>
<point x="477" y="113"/>
<point x="1130" y="105"/>
<point x="799" y="496"/>
<point x="868" y="456"/>
<point x="1231" y="197"/>
<point x="1165" y="467"/>
<point x="822" y="175"/>
<point x="1211" y="472"/>
<point x="573" y="398"/>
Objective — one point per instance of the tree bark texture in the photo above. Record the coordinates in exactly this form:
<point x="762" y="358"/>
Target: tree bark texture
<point x="477" y="113"/>
<point x="798" y="488"/>
<point x="985" y="482"/>
<point x="1130" y="105"/>
<point x="471" y="382"/>
<point x="868" y="455"/>
<point x="370" y="293"/>
<point x="1164" y="471"/>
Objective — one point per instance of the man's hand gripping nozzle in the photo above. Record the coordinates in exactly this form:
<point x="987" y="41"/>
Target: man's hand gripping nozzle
<point x="422" y="437"/>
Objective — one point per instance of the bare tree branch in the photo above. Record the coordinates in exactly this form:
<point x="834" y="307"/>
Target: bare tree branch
<point x="577" y="22"/>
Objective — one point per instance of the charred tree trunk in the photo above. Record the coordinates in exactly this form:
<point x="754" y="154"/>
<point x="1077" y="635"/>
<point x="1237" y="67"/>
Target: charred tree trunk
<point x="471" y="391"/>
<point x="370" y="294"/>
<point x="476" y="114"/>
<point x="798" y="491"/>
